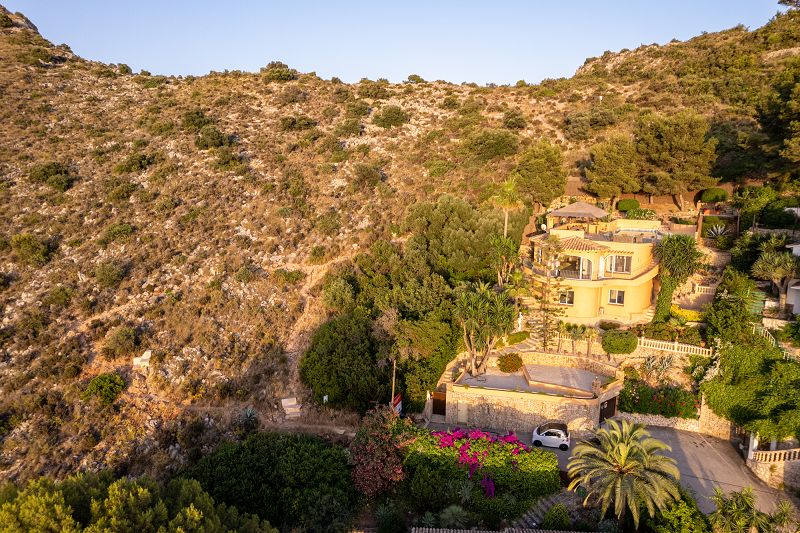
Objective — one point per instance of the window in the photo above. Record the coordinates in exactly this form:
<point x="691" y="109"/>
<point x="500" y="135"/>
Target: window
<point x="621" y="264"/>
<point x="616" y="297"/>
<point x="566" y="297"/>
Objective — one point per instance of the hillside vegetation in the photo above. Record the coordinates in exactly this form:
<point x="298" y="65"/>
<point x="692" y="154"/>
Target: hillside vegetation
<point x="199" y="217"/>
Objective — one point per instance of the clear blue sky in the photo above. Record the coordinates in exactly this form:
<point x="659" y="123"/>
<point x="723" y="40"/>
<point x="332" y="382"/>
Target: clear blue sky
<point x="498" y="41"/>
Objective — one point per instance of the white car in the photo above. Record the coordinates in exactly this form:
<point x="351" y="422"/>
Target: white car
<point x="552" y="434"/>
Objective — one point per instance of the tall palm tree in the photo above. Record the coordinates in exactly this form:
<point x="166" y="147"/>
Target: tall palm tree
<point x="778" y="267"/>
<point x="591" y="336"/>
<point x="516" y="287"/>
<point x="576" y="333"/>
<point x="507" y="199"/>
<point x="626" y="469"/>
<point x="737" y="513"/>
<point x="678" y="258"/>
<point x="562" y="328"/>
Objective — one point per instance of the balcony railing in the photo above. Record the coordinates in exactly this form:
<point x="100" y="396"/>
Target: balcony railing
<point x="586" y="276"/>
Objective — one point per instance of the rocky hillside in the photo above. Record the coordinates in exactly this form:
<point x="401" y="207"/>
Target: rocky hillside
<point x="195" y="216"/>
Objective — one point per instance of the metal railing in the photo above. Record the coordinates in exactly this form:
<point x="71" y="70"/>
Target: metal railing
<point x="777" y="456"/>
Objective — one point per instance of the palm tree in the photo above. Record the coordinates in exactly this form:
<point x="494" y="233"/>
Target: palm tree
<point x="590" y="335"/>
<point x="626" y="469"/>
<point x="778" y="267"/>
<point x="562" y="328"/>
<point x="576" y="333"/>
<point x="507" y="199"/>
<point x="504" y="254"/>
<point x="516" y="287"/>
<point x="737" y="513"/>
<point x="678" y="258"/>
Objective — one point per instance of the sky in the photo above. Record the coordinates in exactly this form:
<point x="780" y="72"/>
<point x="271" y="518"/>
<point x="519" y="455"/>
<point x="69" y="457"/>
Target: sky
<point x="495" y="41"/>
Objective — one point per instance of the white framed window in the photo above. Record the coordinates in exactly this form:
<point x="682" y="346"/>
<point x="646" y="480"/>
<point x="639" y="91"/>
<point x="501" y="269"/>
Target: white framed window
<point x="566" y="297"/>
<point x="621" y="264"/>
<point x="616" y="297"/>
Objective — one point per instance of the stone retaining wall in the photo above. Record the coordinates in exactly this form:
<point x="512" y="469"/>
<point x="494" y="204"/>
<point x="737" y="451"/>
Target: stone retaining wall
<point x="780" y="475"/>
<point x="708" y="423"/>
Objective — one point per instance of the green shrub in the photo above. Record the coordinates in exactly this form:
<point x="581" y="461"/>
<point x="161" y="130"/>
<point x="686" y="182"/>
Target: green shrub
<point x="109" y="274"/>
<point x="513" y="119"/>
<point x="372" y="89"/>
<point x="438" y="167"/>
<point x="641" y="214"/>
<point x="341" y="363"/>
<point x="298" y="123"/>
<point x="627" y="204"/>
<point x="639" y="397"/>
<point x="59" y="296"/>
<point x="121" y="342"/>
<point x="450" y="102"/>
<point x="517" y="337"/>
<point x="713" y="195"/>
<point x="619" y="342"/>
<point x="486" y="145"/>
<point x="358" y="108"/>
<point x="557" y="518"/>
<point x="196" y="120"/>
<point x="509" y="362"/>
<point x="279" y="72"/>
<point x="607" y="325"/>
<point x="5" y="21"/>
<point x="30" y="250"/>
<point x="54" y="174"/>
<point x="210" y="137"/>
<point x="415" y="78"/>
<point x="135" y="163"/>
<point x="289" y="276"/>
<point x="390" y="116"/>
<point x="116" y="232"/>
<point x="297" y="482"/>
<point x="366" y="175"/>
<point x="124" y="69"/>
<point x="348" y="128"/>
<point x="105" y="387"/>
<point x="291" y="95"/>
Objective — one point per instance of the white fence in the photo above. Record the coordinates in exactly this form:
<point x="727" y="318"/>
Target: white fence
<point x="703" y="289"/>
<point x="674" y="347"/>
<point x="758" y="329"/>
<point x="777" y="455"/>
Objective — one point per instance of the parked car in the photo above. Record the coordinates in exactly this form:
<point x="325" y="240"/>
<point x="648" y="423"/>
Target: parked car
<point x="552" y="434"/>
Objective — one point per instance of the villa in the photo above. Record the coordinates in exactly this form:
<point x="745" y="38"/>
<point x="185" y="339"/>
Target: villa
<point x="606" y="268"/>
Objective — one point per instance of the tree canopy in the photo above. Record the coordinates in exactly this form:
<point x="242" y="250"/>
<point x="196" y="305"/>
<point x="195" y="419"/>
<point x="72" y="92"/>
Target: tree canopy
<point x="614" y="168"/>
<point x="540" y="175"/>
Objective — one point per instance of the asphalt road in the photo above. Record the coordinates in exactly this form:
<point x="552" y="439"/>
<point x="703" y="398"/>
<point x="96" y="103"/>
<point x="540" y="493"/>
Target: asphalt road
<point x="704" y="463"/>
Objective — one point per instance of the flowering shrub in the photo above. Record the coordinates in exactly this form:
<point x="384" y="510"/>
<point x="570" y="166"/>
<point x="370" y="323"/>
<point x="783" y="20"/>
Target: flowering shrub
<point x="509" y="362"/>
<point x="376" y="452"/>
<point x="639" y="397"/>
<point x="506" y="476"/>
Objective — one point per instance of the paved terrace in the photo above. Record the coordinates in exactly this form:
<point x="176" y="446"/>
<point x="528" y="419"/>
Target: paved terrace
<point x="554" y="380"/>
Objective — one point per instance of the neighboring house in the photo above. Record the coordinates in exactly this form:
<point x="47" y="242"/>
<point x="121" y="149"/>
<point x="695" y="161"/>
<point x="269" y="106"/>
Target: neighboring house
<point x="607" y="268"/>
<point x="793" y="294"/>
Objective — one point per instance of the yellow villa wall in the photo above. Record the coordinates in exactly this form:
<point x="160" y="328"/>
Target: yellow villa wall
<point x="589" y="299"/>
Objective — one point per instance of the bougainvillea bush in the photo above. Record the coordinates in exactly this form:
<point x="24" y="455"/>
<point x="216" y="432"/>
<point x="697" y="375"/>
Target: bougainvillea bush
<point x="494" y="478"/>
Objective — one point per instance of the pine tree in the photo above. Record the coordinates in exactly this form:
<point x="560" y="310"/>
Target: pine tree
<point x="547" y="288"/>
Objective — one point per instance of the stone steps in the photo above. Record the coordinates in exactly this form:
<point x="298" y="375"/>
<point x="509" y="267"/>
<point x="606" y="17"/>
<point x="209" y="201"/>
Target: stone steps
<point x="535" y="516"/>
<point x="291" y="408"/>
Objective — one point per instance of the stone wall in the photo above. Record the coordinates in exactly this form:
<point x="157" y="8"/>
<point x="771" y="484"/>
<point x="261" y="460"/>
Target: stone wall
<point x="707" y="423"/>
<point x="780" y="475"/>
<point x="517" y="411"/>
<point x="570" y="361"/>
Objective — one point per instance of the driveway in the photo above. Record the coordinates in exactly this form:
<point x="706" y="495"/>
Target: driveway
<point x="706" y="462"/>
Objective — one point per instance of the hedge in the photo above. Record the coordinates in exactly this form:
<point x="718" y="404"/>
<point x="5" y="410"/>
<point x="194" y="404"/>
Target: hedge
<point x="713" y="195"/>
<point x="639" y="397"/>
<point x="617" y="341"/>
<point x="627" y="204"/>
<point x="506" y="476"/>
<point x="641" y="214"/>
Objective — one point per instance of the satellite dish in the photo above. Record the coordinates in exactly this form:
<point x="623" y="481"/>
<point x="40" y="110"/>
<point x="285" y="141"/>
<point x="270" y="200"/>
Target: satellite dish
<point x="544" y="227"/>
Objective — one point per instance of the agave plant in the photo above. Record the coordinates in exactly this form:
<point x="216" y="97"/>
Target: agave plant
<point x="716" y="231"/>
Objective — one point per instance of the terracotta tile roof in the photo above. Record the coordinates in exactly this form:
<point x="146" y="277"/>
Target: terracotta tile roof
<point x="576" y="244"/>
